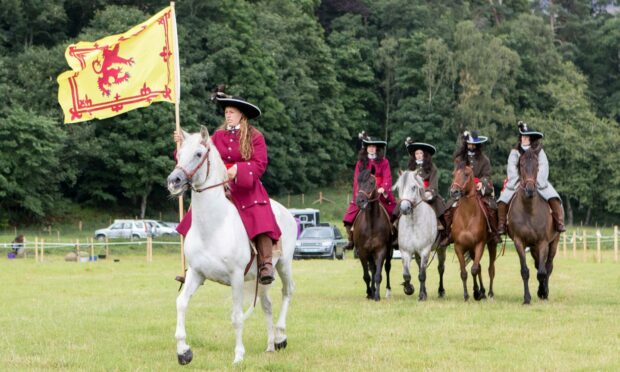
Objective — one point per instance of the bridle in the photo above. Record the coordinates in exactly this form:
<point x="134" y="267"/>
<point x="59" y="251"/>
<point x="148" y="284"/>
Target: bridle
<point x="413" y="205"/>
<point x="369" y="195"/>
<point x="461" y="187"/>
<point x="190" y="174"/>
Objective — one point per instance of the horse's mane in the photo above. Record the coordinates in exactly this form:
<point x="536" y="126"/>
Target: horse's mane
<point x="363" y="176"/>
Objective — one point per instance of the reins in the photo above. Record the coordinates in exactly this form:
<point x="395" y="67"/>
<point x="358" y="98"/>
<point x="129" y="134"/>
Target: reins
<point x="190" y="175"/>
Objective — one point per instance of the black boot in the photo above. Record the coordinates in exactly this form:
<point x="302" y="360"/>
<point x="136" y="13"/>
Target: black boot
<point x="349" y="236"/>
<point x="446" y="234"/>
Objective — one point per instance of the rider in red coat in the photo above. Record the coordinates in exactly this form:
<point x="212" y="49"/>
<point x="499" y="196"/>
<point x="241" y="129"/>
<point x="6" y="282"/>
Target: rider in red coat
<point x="242" y="148"/>
<point x="370" y="156"/>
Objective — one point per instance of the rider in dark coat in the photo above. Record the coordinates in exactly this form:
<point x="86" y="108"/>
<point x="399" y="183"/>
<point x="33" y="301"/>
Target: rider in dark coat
<point x="471" y="152"/>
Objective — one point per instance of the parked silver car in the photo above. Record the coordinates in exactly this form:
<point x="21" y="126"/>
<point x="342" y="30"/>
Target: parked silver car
<point x="124" y="229"/>
<point x="323" y="241"/>
<point x="160" y="228"/>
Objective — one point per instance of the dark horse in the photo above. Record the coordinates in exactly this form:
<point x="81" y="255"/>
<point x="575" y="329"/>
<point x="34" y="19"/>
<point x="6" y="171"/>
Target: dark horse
<point x="530" y="224"/>
<point x="470" y="230"/>
<point x="372" y="234"/>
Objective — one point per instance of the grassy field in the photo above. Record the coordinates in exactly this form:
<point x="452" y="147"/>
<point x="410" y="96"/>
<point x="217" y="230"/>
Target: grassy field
<point x="121" y="316"/>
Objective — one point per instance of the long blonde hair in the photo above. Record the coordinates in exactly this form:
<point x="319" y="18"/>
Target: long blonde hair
<point x="245" y="137"/>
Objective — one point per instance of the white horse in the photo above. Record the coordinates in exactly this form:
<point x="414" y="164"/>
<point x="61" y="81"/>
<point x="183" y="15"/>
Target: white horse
<point x="217" y="246"/>
<point x="417" y="232"/>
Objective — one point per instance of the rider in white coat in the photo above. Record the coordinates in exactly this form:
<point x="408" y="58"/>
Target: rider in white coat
<point x="529" y="138"/>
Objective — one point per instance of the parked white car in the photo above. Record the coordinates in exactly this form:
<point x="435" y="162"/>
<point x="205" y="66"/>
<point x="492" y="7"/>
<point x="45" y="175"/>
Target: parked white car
<point x="160" y="228"/>
<point x="124" y="229"/>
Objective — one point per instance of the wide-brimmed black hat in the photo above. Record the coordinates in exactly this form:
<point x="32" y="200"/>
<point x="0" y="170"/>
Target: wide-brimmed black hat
<point x="526" y="130"/>
<point x="367" y="140"/>
<point x="248" y="109"/>
<point x="473" y="138"/>
<point x="413" y="146"/>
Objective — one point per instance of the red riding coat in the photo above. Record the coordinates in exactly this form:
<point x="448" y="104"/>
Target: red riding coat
<point x="383" y="175"/>
<point x="247" y="191"/>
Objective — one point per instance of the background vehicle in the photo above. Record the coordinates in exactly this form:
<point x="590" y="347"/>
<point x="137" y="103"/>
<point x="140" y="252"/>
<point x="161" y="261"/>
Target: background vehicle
<point x="160" y="228"/>
<point x="124" y="229"/>
<point x="307" y="217"/>
<point x="324" y="241"/>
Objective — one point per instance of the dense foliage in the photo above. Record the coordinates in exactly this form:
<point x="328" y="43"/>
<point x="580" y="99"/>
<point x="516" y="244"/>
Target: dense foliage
<point x="321" y="71"/>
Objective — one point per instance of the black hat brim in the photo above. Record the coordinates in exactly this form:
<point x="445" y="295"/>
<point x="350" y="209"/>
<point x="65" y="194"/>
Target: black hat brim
<point x="532" y="134"/>
<point x="411" y="148"/>
<point x="249" y="110"/>
<point x="374" y="142"/>
<point x="480" y="140"/>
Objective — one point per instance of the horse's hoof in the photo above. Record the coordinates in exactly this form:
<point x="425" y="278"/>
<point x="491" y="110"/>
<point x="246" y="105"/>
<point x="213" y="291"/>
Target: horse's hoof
<point x="186" y="357"/>
<point x="408" y="288"/>
<point x="442" y="293"/>
<point x="422" y="297"/>
<point x="281" y="345"/>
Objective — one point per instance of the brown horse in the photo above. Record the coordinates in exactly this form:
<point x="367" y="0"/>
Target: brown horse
<point x="372" y="235"/>
<point x="530" y="224"/>
<point x="470" y="230"/>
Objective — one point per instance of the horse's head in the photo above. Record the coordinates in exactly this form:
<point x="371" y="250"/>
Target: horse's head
<point x="462" y="180"/>
<point x="366" y="188"/>
<point x="198" y="161"/>
<point x="410" y="191"/>
<point x="528" y="171"/>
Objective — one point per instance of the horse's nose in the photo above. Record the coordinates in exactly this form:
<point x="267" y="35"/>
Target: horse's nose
<point x="175" y="180"/>
<point x="405" y="208"/>
<point x="455" y="194"/>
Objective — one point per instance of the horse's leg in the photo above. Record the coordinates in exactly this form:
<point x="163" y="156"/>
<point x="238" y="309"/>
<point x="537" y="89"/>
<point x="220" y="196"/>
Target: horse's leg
<point x="541" y="266"/>
<point x="379" y="260"/>
<point x="525" y="272"/>
<point x="388" y="267"/>
<point x="373" y="270"/>
<point x="553" y="246"/>
<point x="422" y="274"/>
<point x="265" y="302"/>
<point x="459" y="253"/>
<point x="441" y="260"/>
<point x="366" y="277"/>
<point x="286" y="275"/>
<point x="192" y="281"/>
<point x="492" y="246"/>
<point x="236" y="284"/>
<point x="406" y="257"/>
<point x="476" y="272"/>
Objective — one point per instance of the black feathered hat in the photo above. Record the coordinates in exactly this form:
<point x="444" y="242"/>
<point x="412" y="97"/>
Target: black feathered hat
<point x="224" y="100"/>
<point x="413" y="146"/>
<point x="367" y="140"/>
<point x="526" y="130"/>
<point x="473" y="138"/>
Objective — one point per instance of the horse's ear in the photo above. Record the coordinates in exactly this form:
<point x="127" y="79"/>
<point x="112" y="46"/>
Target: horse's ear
<point x="204" y="132"/>
<point x="400" y="172"/>
<point x="184" y="134"/>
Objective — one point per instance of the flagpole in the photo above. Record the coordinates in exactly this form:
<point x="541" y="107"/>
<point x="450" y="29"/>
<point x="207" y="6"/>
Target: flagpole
<point x="177" y="116"/>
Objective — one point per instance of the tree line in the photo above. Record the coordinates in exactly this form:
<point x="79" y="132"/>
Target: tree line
<point x="321" y="71"/>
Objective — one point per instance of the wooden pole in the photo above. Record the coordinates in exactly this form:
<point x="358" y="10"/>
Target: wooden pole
<point x="36" y="249"/>
<point x="616" y="243"/>
<point x="177" y="117"/>
<point x="585" y="245"/>
<point x="42" y="249"/>
<point x="598" y="246"/>
<point x="107" y="248"/>
<point x="302" y="199"/>
<point x="77" y="250"/>
<point x="574" y="244"/>
<point x="80" y="225"/>
<point x="564" y="246"/>
<point x="58" y="235"/>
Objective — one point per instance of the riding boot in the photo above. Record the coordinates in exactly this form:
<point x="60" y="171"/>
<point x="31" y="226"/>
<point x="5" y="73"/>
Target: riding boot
<point x="557" y="211"/>
<point x="446" y="234"/>
<point x="349" y="236"/>
<point x="502" y="210"/>
<point x="264" y="247"/>
<point x="493" y="222"/>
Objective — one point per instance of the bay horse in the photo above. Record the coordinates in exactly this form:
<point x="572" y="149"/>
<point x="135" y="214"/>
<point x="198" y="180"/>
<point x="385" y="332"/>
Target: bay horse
<point x="417" y="232"/>
<point x="530" y="224"/>
<point x="217" y="247"/>
<point x="470" y="230"/>
<point x="372" y="235"/>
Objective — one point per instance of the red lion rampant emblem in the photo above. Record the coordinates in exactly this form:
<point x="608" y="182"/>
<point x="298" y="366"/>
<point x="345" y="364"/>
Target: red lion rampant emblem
<point x="108" y="74"/>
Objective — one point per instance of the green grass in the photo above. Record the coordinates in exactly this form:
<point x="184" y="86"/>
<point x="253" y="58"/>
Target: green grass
<point x="121" y="316"/>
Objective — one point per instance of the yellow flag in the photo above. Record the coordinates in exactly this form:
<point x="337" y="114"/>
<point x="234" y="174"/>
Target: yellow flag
<point x="121" y="72"/>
